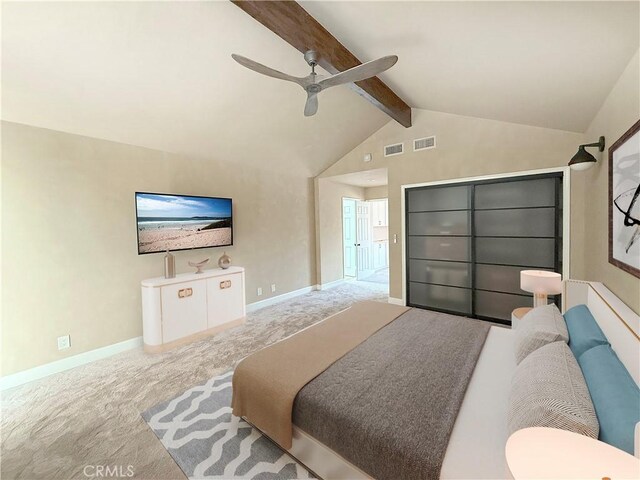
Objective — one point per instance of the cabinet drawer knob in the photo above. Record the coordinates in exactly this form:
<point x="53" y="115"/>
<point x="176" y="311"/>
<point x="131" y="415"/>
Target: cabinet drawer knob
<point x="185" y="292"/>
<point x="225" y="284"/>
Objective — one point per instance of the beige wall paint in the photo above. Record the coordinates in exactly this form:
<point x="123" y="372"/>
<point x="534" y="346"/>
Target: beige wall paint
<point x="329" y="195"/>
<point x="70" y="263"/>
<point x="374" y="193"/>
<point x="618" y="113"/>
<point x="467" y="147"/>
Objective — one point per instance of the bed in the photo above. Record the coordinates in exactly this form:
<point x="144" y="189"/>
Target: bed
<point x="475" y="447"/>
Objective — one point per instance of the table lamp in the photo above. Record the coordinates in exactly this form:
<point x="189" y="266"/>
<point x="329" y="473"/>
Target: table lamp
<point x="541" y="283"/>
<point x="550" y="453"/>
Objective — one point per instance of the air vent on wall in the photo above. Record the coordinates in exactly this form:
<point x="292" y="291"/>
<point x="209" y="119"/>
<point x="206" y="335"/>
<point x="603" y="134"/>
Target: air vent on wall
<point x="396" y="149"/>
<point x="424" y="143"/>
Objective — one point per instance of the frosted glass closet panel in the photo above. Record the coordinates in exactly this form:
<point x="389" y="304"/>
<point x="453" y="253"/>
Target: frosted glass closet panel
<point x="515" y="228"/>
<point x="440" y="273"/>
<point x="439" y="248"/>
<point x="438" y="198"/>
<point x="499" y="278"/>
<point x="525" y="252"/>
<point x="440" y="223"/>
<point x="440" y="297"/>
<point x="521" y="222"/>
<point x="457" y="249"/>
<point x="466" y="244"/>
<point x="539" y="192"/>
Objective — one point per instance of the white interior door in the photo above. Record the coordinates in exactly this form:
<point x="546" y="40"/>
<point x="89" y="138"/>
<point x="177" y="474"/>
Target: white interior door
<point x="349" y="239"/>
<point x="364" y="238"/>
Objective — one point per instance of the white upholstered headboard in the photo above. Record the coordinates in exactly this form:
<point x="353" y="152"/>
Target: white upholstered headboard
<point x="618" y="322"/>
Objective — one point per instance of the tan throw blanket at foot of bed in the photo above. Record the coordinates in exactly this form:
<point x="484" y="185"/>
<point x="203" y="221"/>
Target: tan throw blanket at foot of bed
<point x="265" y="384"/>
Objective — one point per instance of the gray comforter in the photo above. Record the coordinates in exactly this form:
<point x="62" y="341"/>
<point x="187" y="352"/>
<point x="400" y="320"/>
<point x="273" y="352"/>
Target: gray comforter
<point x="389" y="405"/>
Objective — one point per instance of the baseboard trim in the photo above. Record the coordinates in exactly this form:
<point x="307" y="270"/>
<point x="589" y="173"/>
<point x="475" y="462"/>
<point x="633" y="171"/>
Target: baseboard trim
<point x="327" y="286"/>
<point x="252" y="307"/>
<point x="41" y="371"/>
<point x="396" y="301"/>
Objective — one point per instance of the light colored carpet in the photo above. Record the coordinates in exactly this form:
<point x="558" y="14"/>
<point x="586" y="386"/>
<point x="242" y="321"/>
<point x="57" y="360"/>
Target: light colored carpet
<point x="381" y="276"/>
<point x="88" y="416"/>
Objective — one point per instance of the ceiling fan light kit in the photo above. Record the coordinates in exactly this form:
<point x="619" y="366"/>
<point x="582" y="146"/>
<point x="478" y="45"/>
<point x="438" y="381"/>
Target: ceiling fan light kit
<point x="313" y="83"/>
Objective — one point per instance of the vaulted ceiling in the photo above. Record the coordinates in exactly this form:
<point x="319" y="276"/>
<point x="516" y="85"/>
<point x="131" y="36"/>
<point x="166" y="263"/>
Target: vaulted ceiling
<point x="547" y="63"/>
<point x="160" y="74"/>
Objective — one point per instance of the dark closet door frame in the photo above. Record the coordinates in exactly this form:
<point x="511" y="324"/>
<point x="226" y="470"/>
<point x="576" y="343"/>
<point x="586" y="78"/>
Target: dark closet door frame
<point x="513" y="176"/>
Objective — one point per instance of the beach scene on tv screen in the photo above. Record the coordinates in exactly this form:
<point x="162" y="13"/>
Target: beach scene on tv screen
<point x="172" y="222"/>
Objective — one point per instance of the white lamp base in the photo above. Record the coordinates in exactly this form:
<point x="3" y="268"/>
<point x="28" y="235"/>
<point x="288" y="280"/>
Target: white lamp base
<point x="539" y="300"/>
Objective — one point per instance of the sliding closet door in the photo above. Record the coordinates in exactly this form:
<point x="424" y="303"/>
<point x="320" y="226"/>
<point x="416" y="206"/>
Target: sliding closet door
<point x="466" y="244"/>
<point x="439" y="248"/>
<point x="516" y="228"/>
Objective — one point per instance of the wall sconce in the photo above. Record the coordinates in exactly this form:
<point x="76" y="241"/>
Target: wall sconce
<point x="583" y="159"/>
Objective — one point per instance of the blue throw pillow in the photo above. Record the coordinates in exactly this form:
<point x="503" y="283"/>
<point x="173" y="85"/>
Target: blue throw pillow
<point x="615" y="396"/>
<point x="584" y="332"/>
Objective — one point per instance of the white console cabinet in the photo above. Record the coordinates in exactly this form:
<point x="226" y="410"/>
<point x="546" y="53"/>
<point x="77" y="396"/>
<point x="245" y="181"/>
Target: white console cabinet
<point x="189" y="306"/>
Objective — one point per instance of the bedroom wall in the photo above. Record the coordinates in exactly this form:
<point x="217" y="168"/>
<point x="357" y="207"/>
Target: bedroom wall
<point x="619" y="112"/>
<point x="467" y="147"/>
<point x="70" y="263"/>
<point x="374" y="193"/>
<point x="329" y="254"/>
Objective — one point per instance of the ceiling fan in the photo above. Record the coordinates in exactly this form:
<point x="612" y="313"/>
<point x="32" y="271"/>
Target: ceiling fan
<point x="313" y="83"/>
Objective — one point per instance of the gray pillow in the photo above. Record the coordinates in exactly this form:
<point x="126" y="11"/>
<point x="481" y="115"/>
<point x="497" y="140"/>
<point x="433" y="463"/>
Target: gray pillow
<point x="548" y="390"/>
<point x="539" y="327"/>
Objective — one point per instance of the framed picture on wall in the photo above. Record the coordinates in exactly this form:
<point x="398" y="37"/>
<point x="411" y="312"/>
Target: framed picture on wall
<point x="624" y="201"/>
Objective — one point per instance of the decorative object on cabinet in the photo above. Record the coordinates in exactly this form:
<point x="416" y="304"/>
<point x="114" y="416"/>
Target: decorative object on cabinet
<point x="624" y="202"/>
<point x="224" y="261"/>
<point x="541" y="283"/>
<point x="191" y="306"/>
<point x="199" y="265"/>
<point x="169" y="265"/>
<point x="583" y="160"/>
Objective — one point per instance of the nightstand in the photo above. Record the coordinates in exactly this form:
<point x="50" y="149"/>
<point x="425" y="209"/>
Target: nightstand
<point x="517" y="315"/>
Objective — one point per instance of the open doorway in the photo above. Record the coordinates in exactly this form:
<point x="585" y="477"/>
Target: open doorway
<point x="379" y="212"/>
<point x="365" y="240"/>
<point x="351" y="233"/>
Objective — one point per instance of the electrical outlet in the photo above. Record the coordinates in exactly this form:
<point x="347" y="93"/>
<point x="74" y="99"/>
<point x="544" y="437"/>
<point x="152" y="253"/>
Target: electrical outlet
<point x="64" y="342"/>
<point x="259" y="291"/>
<point x="273" y="288"/>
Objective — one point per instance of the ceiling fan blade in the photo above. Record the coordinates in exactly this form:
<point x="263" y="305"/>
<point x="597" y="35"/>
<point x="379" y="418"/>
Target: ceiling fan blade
<point x="270" y="72"/>
<point x="355" y="74"/>
<point x="311" y="107"/>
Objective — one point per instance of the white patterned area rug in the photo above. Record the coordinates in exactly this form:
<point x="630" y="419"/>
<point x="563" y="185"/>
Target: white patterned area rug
<point x="207" y="441"/>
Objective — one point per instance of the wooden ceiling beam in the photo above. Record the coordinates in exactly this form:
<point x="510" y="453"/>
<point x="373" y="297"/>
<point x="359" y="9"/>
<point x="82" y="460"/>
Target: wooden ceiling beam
<point x="296" y="26"/>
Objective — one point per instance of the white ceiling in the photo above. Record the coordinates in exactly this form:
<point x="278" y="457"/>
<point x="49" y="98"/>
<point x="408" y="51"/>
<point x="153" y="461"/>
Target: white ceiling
<point x="549" y="64"/>
<point x="368" y="178"/>
<point x="160" y="75"/>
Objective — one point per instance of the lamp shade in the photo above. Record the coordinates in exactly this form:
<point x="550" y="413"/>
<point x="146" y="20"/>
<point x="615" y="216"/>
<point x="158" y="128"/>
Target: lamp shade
<point x="582" y="160"/>
<point x="541" y="282"/>
<point x="549" y="453"/>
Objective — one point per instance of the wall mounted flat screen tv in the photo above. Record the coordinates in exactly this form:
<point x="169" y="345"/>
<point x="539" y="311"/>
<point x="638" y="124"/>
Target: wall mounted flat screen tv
<point x="182" y="222"/>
